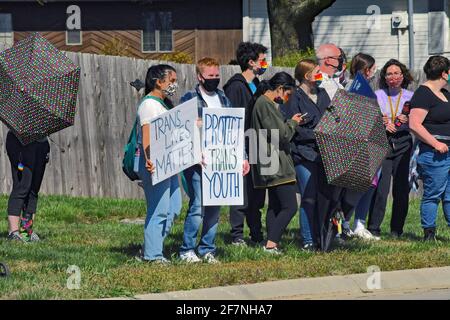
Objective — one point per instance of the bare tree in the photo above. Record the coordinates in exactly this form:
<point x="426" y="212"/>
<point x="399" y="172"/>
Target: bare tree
<point x="291" y="23"/>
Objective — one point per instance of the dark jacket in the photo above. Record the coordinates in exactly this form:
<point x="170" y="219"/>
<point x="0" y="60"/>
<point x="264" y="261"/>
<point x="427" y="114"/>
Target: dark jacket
<point x="240" y="94"/>
<point x="304" y="146"/>
<point x="267" y="116"/>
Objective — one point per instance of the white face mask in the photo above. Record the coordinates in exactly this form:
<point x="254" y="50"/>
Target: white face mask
<point x="171" y="89"/>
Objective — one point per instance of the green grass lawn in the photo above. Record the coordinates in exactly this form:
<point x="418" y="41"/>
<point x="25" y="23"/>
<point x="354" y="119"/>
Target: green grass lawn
<point x="88" y="233"/>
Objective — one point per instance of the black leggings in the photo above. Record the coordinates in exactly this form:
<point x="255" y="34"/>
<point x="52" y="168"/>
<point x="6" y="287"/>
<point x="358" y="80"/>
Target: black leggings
<point x="26" y="183"/>
<point x="282" y="208"/>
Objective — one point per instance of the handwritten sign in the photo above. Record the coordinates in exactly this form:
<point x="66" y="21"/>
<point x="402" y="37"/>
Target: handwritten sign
<point x="223" y="151"/>
<point x="175" y="141"/>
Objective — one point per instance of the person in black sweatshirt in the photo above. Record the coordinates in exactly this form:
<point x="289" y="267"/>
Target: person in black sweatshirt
<point x="240" y="90"/>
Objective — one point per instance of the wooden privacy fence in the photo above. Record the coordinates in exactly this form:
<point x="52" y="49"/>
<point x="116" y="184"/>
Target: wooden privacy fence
<point x="86" y="159"/>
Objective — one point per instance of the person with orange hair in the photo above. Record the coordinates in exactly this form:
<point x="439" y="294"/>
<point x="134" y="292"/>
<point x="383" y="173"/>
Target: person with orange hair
<point x="209" y="96"/>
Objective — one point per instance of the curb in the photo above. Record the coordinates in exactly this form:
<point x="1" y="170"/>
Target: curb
<point x="432" y="278"/>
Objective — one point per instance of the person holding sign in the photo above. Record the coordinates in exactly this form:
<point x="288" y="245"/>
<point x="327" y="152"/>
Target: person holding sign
<point x="164" y="198"/>
<point x="274" y="169"/>
<point x="208" y="96"/>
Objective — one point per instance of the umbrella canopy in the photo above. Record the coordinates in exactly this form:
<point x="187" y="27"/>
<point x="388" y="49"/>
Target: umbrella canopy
<point x="352" y="141"/>
<point x="38" y="89"/>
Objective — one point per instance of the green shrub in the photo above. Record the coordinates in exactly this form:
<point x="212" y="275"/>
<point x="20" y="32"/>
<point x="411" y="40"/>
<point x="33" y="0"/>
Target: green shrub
<point x="115" y="47"/>
<point x="293" y="57"/>
<point x="177" y="57"/>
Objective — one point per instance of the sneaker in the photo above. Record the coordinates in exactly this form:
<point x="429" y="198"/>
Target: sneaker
<point x="396" y="234"/>
<point x="189" y="257"/>
<point x="308" y="247"/>
<point x="274" y="251"/>
<point x="34" y="237"/>
<point x="239" y="243"/>
<point x="429" y="234"/>
<point x="161" y="261"/>
<point x="365" y="234"/>
<point x="210" y="258"/>
<point x="347" y="233"/>
<point x="16" y="236"/>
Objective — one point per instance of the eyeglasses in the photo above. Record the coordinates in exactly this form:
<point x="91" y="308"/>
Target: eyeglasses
<point x="395" y="74"/>
<point x="339" y="58"/>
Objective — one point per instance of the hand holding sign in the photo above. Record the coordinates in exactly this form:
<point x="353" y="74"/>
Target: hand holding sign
<point x="175" y="141"/>
<point x="223" y="148"/>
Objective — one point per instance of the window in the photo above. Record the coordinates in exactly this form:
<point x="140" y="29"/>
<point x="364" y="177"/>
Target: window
<point x="6" y="32"/>
<point x="74" y="38"/>
<point x="437" y="5"/>
<point x="157" y="32"/>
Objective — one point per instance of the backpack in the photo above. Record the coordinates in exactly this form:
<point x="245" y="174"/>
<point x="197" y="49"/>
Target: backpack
<point x="132" y="145"/>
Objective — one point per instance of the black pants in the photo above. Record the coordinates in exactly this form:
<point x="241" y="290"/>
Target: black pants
<point x="282" y="208"/>
<point x="396" y="165"/>
<point x="254" y="200"/>
<point x="26" y="183"/>
<point x="329" y="199"/>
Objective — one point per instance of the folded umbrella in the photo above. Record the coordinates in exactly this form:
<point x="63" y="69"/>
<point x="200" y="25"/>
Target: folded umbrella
<point x="38" y="89"/>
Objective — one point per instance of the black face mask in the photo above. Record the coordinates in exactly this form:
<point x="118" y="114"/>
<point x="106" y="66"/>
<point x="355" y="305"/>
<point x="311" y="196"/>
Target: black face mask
<point x="211" y="85"/>
<point x="278" y="100"/>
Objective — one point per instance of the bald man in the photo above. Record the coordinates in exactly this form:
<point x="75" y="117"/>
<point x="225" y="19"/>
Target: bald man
<point x="331" y="64"/>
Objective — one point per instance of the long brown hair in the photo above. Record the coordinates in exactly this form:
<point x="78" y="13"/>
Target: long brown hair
<point x="303" y="68"/>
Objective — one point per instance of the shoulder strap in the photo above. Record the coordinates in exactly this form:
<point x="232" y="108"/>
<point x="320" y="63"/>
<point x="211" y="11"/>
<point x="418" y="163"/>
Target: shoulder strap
<point x="156" y="99"/>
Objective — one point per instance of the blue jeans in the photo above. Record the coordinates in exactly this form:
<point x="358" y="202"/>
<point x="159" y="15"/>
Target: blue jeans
<point x="362" y="209"/>
<point x="163" y="205"/>
<point x="307" y="184"/>
<point x="198" y="215"/>
<point x="434" y="170"/>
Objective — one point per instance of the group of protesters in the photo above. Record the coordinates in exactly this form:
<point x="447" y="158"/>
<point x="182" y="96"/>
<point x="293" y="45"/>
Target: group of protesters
<point x="293" y="105"/>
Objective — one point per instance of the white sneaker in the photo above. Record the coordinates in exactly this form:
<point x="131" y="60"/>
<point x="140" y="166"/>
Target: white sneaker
<point x="209" y="258"/>
<point x="365" y="234"/>
<point x="189" y="257"/>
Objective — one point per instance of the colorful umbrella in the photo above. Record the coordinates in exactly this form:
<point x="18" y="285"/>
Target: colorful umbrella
<point x="38" y="89"/>
<point x="352" y="141"/>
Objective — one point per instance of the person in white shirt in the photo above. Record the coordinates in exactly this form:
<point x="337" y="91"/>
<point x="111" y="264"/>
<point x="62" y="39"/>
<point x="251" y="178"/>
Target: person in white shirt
<point x="207" y="218"/>
<point x="331" y="63"/>
<point x="164" y="198"/>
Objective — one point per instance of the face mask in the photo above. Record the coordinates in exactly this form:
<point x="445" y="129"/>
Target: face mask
<point x="395" y="83"/>
<point x="171" y="89"/>
<point x="281" y="100"/>
<point x="262" y="68"/>
<point x="211" y="85"/>
<point x="340" y="68"/>
<point x="318" y="78"/>
<point x="448" y="79"/>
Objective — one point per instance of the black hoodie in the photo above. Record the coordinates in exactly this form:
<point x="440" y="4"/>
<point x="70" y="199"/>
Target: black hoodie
<point x="239" y="93"/>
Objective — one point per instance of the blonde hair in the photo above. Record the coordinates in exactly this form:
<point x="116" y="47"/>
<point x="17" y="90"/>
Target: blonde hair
<point x="205" y="62"/>
<point x="303" y="68"/>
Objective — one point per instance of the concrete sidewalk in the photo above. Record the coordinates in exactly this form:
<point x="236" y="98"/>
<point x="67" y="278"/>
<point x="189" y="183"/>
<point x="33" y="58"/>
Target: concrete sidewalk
<point x="316" y="288"/>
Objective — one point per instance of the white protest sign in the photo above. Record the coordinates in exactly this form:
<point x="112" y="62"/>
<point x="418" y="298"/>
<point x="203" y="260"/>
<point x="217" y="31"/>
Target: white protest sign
<point x="175" y="141"/>
<point x="223" y="151"/>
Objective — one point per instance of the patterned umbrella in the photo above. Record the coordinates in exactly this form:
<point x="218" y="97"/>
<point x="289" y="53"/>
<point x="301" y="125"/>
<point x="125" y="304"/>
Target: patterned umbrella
<point x="352" y="141"/>
<point x="38" y="89"/>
